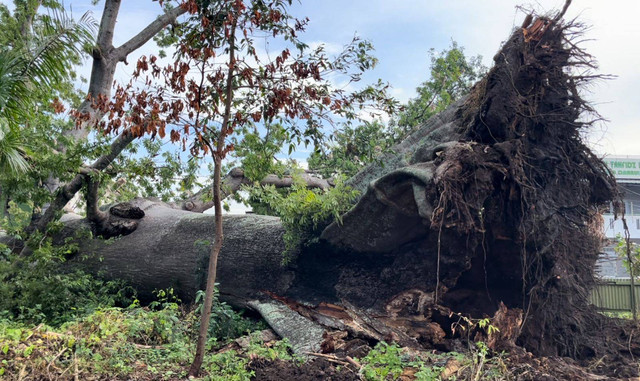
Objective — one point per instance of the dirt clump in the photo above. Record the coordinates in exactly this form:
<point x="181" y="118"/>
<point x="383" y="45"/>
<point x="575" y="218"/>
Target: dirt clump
<point x="317" y="369"/>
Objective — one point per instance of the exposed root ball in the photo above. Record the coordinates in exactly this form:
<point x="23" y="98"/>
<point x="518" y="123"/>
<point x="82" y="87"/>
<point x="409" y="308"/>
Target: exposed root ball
<point x="523" y="180"/>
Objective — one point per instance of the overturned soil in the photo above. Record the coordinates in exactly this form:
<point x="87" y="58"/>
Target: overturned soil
<point x="318" y="369"/>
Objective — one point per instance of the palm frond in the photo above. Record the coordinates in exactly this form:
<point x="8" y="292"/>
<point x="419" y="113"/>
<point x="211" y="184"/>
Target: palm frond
<point x="58" y="39"/>
<point x="11" y="154"/>
<point x="14" y="93"/>
<point x="45" y="62"/>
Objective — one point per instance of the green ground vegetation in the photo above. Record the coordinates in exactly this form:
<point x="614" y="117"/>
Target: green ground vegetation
<point x="156" y="341"/>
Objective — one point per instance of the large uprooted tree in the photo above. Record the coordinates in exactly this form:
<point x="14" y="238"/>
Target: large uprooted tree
<point x="491" y="208"/>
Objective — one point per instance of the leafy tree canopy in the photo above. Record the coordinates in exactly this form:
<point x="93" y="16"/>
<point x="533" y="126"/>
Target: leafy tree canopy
<point x="451" y="76"/>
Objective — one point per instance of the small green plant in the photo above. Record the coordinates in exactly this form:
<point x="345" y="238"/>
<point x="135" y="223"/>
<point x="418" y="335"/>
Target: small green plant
<point x="389" y="362"/>
<point x="630" y="254"/>
<point x="632" y="261"/>
<point x="280" y="350"/>
<point x="226" y="323"/>
<point x="479" y="358"/>
<point x="382" y="362"/>
<point x="469" y="326"/>
<point x="303" y="211"/>
<point x="487" y="326"/>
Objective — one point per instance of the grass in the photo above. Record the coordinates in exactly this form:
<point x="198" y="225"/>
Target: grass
<point x="618" y="314"/>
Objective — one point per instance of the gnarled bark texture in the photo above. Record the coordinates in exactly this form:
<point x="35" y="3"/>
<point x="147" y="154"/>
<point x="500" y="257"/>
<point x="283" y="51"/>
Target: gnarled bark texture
<point x="170" y="249"/>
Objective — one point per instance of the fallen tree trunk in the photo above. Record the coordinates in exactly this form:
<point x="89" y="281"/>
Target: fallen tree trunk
<point x="374" y="297"/>
<point x="170" y="248"/>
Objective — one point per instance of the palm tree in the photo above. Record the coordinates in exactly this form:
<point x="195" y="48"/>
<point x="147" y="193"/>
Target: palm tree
<point x="43" y="60"/>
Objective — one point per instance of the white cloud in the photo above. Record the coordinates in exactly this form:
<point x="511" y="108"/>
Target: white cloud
<point x="330" y="48"/>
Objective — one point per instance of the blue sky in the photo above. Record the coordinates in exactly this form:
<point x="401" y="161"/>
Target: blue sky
<point x="403" y="31"/>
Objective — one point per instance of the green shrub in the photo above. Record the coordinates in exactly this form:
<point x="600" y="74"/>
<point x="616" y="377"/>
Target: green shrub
<point x="226" y="323"/>
<point x="40" y="292"/>
<point x="305" y="212"/>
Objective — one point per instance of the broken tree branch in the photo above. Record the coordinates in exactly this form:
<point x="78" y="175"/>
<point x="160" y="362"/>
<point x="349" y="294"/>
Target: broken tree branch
<point x="69" y="190"/>
<point x="234" y="181"/>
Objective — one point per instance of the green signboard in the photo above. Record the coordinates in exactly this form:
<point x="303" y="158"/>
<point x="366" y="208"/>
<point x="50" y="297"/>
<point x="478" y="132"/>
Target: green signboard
<point x="624" y="168"/>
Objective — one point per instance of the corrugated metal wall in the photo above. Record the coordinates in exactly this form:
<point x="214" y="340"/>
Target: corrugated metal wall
<point x="614" y="295"/>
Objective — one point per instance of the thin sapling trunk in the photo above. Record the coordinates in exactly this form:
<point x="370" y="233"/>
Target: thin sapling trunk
<point x="218" y="155"/>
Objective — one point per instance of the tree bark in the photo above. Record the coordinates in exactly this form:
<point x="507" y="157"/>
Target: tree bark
<point x="120" y="220"/>
<point x="170" y="248"/>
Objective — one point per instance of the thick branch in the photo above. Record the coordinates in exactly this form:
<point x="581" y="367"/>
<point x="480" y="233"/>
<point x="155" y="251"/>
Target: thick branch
<point x="94" y="214"/>
<point x="106" y="58"/>
<point x="119" y="221"/>
<point x="67" y="192"/>
<point x="147" y="33"/>
<point x="235" y="179"/>
<point x="287" y="181"/>
<point x="107" y="25"/>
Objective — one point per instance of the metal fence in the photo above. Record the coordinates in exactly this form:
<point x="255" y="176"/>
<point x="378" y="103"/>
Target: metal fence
<point x="614" y="294"/>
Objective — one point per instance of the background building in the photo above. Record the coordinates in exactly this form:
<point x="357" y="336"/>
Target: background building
<point x="627" y="172"/>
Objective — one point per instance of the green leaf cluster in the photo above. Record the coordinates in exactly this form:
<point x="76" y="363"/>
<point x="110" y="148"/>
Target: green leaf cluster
<point x="351" y="148"/>
<point x="257" y="152"/>
<point x="305" y="212"/>
<point x="451" y="76"/>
